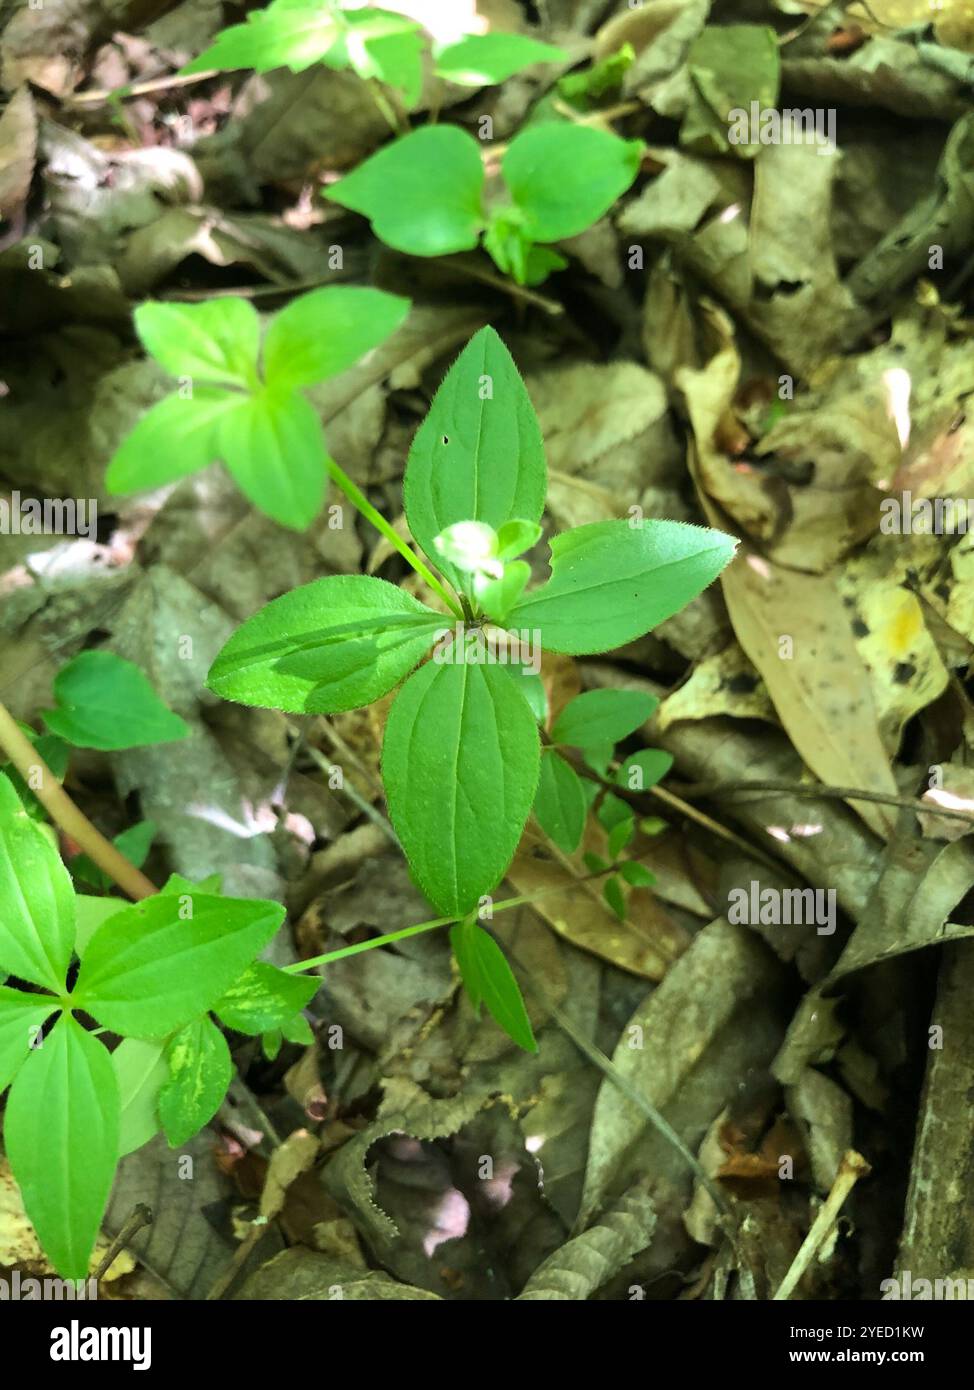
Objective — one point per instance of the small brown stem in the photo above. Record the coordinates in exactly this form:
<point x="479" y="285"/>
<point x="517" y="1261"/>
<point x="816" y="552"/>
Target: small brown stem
<point x="65" y="813"/>
<point x="141" y="1216"/>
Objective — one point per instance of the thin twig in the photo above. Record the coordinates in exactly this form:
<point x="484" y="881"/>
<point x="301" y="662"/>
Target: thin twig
<point x="909" y="803"/>
<point x="141" y="1216"/>
<point x="140" y="89"/>
<point x="65" y="813"/>
<point x="498" y="282"/>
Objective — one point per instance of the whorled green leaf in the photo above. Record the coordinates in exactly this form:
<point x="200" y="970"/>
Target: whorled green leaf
<point x="21" y="1018"/>
<point x="177" y="436"/>
<point x="335" y="644"/>
<point x="61" y="1136"/>
<point x="37" y="914"/>
<point x="489" y="980"/>
<point x="264" y="998"/>
<point x="481" y="60"/>
<point x="154" y="967"/>
<point x="599" y="717"/>
<point x="560" y="803"/>
<point x="563" y="177"/>
<point x="106" y="702"/>
<point x="141" y="1071"/>
<point x="214" y="342"/>
<point x="200" y="1070"/>
<point x="478" y="455"/>
<point x="423" y="194"/>
<point x="460" y="766"/>
<point x="324" y="332"/>
<point x="274" y="449"/>
<point x="612" y="582"/>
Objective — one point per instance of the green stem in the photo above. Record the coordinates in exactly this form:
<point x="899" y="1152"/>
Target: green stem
<point x="329" y="956"/>
<point x="362" y="503"/>
<point x="387" y="112"/>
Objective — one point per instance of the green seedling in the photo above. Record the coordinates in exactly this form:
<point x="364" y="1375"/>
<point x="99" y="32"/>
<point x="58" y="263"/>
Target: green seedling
<point x="241" y="400"/>
<point x="426" y="193"/>
<point x="461" y="757"/>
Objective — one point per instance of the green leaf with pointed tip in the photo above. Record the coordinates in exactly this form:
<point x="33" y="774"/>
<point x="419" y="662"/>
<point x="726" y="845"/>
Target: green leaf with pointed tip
<point x="484" y="60"/>
<point x="325" y="332"/>
<point x="335" y="644"/>
<point x="214" y="342"/>
<point x="612" y="582"/>
<point x="297" y="1030"/>
<point x="599" y="717"/>
<point x="515" y="537"/>
<point x="644" y="769"/>
<point x="564" y="177"/>
<point x="63" y="1152"/>
<point x="560" y="803"/>
<point x="106" y="702"/>
<point x="141" y="1072"/>
<point x="265" y="998"/>
<point x="176" y="437"/>
<point x="36" y="899"/>
<point x="478" y="455"/>
<point x="274" y="449"/>
<point x="460" y="766"/>
<point x="21" y="1018"/>
<point x="614" y="896"/>
<point x="489" y="980"/>
<point x="637" y="875"/>
<point x="200" y="1070"/>
<point x="154" y="967"/>
<point x="423" y="194"/>
<point x="282" y="36"/>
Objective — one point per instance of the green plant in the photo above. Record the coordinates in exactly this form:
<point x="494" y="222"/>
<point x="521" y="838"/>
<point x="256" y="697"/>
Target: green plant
<point x="378" y="45"/>
<point x="425" y="193"/>
<point x="462" y="753"/>
<point x="149" y="973"/>
<point x="241" y="400"/>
